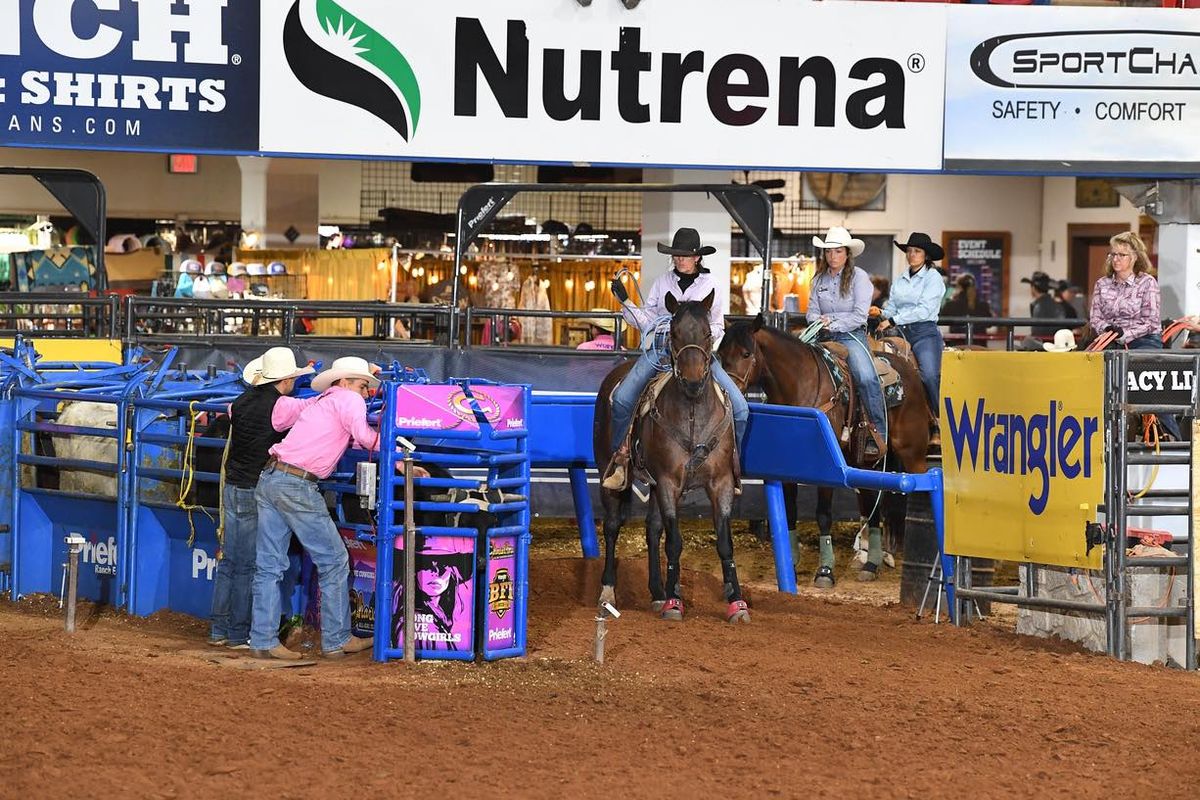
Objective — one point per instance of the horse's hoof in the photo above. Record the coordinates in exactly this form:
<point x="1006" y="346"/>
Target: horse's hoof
<point x="868" y="573"/>
<point x="824" y="578"/>
<point x="672" y="610"/>
<point x="889" y="560"/>
<point x="737" y="612"/>
<point x="608" y="594"/>
<point x="657" y="605"/>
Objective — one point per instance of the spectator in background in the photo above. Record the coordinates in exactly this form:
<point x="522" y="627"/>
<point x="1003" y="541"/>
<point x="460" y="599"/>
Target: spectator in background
<point x="1072" y="300"/>
<point x="966" y="302"/>
<point x="1043" y="305"/>
<point x="1126" y="300"/>
<point x="600" y="332"/>
<point x="879" y="296"/>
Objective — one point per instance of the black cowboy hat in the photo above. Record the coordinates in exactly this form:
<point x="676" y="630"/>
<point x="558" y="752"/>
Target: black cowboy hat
<point x="1039" y="280"/>
<point x="933" y="250"/>
<point x="686" y="243"/>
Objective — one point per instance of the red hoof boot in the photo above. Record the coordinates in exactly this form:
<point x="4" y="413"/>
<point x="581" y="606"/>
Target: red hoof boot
<point x="673" y="610"/>
<point x="737" y="612"/>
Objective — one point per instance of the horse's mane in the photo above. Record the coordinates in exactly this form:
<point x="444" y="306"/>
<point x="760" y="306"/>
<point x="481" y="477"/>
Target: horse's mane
<point x="742" y="333"/>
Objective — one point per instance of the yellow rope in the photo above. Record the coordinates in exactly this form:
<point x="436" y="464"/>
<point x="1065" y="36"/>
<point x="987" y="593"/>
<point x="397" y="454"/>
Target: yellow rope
<point x="1150" y="423"/>
<point x="221" y="498"/>
<point x="189" y="474"/>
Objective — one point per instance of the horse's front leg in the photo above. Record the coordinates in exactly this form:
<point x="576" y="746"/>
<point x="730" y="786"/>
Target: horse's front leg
<point x="720" y="495"/>
<point x="669" y="493"/>
<point x="654" y="531"/>
<point x="824" y="578"/>
<point x="615" y="506"/>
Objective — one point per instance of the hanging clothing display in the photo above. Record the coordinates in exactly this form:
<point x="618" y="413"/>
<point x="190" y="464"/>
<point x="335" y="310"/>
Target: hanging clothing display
<point x="752" y="290"/>
<point x="536" y="330"/>
<point x="55" y="269"/>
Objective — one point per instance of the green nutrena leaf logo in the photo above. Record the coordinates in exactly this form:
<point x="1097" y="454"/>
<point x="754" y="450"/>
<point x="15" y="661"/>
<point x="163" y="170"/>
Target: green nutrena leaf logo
<point x="345" y="62"/>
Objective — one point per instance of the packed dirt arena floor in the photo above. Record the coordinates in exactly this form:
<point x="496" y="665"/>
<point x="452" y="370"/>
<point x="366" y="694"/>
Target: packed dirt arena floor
<point x="839" y="695"/>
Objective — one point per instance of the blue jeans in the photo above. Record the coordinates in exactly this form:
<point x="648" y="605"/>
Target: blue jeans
<point x="1153" y="341"/>
<point x="235" y="571"/>
<point x="290" y="504"/>
<point x="866" y="382"/>
<point x="625" y="398"/>
<point x="927" y="345"/>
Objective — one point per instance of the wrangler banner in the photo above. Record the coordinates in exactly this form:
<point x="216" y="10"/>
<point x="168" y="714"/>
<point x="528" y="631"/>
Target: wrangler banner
<point x="1023" y="455"/>
<point x="709" y="83"/>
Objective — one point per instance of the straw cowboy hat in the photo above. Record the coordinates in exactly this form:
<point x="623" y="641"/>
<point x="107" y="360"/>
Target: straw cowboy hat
<point x="686" y="242"/>
<point x="444" y="551"/>
<point x="277" y="364"/>
<point x="605" y="323"/>
<point x="345" y="367"/>
<point x="840" y="237"/>
<point x="1064" y="342"/>
<point x="933" y="250"/>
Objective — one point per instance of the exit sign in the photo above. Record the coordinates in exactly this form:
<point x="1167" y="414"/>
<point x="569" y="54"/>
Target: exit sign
<point x="179" y="163"/>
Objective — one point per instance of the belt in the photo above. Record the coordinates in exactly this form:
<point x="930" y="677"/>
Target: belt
<point x="282" y="466"/>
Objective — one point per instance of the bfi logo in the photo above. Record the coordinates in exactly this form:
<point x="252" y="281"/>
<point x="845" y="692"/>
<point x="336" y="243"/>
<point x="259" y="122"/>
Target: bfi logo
<point x="156" y="26"/>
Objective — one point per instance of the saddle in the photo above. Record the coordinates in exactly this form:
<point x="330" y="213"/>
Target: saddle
<point x="888" y="375"/>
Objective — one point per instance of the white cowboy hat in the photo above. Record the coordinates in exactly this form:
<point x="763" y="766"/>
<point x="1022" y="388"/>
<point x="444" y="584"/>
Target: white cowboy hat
<point x="1064" y="341"/>
<point x="277" y="364"/>
<point x="604" y="323"/>
<point x="840" y="237"/>
<point x="344" y="367"/>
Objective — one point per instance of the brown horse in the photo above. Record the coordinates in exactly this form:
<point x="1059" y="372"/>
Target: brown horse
<point x="792" y="372"/>
<point x="686" y="442"/>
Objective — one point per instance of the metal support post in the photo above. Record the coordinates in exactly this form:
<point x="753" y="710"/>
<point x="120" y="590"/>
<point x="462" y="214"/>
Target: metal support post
<point x="410" y="563"/>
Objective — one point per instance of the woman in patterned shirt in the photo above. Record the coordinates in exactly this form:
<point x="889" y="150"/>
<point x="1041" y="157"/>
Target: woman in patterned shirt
<point x="1127" y="299"/>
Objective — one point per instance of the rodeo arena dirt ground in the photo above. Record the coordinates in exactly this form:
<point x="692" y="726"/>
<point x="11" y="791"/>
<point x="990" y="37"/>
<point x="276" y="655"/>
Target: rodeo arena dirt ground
<point x="840" y="694"/>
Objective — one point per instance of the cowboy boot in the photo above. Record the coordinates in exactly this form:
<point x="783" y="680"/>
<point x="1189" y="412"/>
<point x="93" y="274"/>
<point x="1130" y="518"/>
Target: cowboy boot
<point x="616" y="477"/>
<point x="874" y="446"/>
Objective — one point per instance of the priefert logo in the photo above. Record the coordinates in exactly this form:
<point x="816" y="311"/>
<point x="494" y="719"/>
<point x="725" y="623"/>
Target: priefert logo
<point x="101" y="555"/>
<point x="202" y="562"/>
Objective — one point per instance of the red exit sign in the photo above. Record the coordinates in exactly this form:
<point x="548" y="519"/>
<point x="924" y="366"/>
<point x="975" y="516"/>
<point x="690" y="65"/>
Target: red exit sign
<point x="183" y="164"/>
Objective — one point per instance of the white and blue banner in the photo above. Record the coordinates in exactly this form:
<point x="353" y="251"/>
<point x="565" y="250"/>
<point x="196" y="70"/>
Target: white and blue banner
<point x="1073" y="90"/>
<point x="130" y="74"/>
<point x="681" y="83"/>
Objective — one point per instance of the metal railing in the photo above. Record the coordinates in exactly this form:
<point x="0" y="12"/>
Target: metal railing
<point x="59" y="315"/>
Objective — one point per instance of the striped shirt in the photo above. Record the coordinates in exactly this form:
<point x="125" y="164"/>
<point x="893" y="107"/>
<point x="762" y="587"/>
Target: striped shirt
<point x="1133" y="305"/>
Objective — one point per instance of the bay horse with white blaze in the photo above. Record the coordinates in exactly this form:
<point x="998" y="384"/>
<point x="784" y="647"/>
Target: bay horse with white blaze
<point x="685" y="441"/>
<point x="795" y="373"/>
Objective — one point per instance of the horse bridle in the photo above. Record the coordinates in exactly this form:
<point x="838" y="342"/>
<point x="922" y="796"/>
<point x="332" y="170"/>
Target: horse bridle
<point x="743" y="381"/>
<point x="705" y="352"/>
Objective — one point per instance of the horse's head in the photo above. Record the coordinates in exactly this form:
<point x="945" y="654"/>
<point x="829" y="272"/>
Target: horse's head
<point x="740" y="354"/>
<point x="691" y="342"/>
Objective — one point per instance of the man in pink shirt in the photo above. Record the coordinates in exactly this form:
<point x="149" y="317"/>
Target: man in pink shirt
<point x="289" y="501"/>
<point x="600" y="330"/>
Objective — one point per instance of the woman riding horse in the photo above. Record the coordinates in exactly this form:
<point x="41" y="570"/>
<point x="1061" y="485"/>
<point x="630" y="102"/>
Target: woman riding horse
<point x="796" y="373"/>
<point x="687" y="281"/>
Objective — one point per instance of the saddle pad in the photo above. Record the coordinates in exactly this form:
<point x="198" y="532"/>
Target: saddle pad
<point x="835" y="354"/>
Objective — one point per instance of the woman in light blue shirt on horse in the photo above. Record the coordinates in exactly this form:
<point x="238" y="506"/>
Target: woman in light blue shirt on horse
<point x="913" y="309"/>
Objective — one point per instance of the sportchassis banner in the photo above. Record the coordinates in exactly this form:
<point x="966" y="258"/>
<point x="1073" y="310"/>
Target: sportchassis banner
<point x="130" y="74"/>
<point x="1073" y="90"/>
<point x="705" y="83"/>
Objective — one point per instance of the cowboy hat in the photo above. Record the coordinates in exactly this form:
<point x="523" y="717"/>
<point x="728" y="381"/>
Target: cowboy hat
<point x="1039" y="280"/>
<point x="686" y="242"/>
<point x="345" y="367"/>
<point x="1064" y="341"/>
<point x="840" y="237"/>
<point x="445" y="550"/>
<point x="933" y="250"/>
<point x="605" y="323"/>
<point x="277" y="364"/>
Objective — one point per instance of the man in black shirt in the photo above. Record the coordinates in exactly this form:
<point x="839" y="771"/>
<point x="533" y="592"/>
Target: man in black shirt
<point x="272" y="377"/>
<point x="1044" y="305"/>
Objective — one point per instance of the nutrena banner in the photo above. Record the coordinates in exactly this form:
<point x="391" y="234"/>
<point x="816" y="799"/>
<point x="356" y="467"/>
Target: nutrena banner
<point x="130" y="74"/>
<point x="758" y="83"/>
<point x="1075" y="90"/>
<point x="1023" y="454"/>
